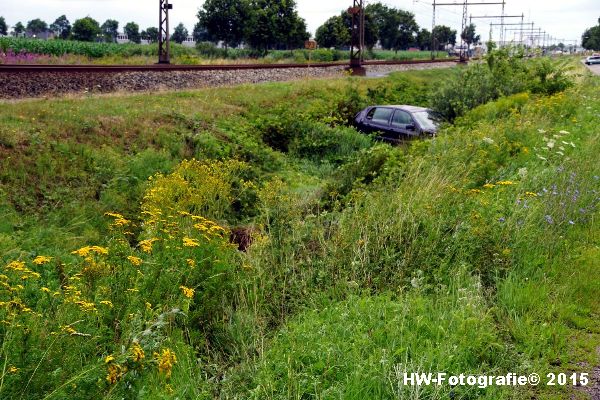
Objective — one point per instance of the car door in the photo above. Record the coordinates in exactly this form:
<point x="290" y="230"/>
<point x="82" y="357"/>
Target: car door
<point x="378" y="119"/>
<point x="402" y="125"/>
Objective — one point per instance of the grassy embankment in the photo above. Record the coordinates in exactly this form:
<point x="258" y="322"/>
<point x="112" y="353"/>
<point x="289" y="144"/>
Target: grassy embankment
<point x="476" y="252"/>
<point x="30" y="51"/>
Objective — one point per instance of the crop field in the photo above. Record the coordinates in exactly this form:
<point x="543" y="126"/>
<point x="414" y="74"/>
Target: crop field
<point x="31" y="51"/>
<point x="248" y="243"/>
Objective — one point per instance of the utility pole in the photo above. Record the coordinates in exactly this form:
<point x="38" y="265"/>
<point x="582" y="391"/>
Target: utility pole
<point x="521" y="24"/>
<point x="464" y="56"/>
<point x="502" y="17"/>
<point x="358" y="34"/>
<point x="164" y="46"/>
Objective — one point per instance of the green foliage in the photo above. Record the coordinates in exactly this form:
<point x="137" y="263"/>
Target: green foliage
<point x="179" y="34"/>
<point x="3" y="26"/>
<point x="86" y="29"/>
<point x="505" y="72"/>
<point x="92" y="50"/>
<point x="396" y="28"/>
<point x="224" y="20"/>
<point x="61" y="27"/>
<point x="443" y="35"/>
<point x="591" y="38"/>
<point x="469" y="35"/>
<point x="132" y="30"/>
<point x="110" y="29"/>
<point x="37" y="26"/>
<point x="362" y="261"/>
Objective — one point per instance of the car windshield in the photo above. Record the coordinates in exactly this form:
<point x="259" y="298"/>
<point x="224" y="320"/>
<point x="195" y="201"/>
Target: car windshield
<point x="426" y="120"/>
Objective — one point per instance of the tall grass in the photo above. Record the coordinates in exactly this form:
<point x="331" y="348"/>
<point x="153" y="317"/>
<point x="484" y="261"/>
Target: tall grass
<point x="364" y="261"/>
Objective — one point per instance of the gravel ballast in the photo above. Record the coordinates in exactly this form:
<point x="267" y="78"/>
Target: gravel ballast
<point x="15" y="85"/>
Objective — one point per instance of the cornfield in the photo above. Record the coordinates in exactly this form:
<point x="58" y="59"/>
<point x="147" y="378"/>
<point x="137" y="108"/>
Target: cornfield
<point x="90" y="49"/>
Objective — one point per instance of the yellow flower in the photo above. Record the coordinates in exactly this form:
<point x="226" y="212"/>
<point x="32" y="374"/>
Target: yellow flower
<point x="531" y="194"/>
<point x="489" y="185"/>
<point x="191" y="263"/>
<point x="146" y="245"/>
<point x="148" y="306"/>
<point x="12" y="369"/>
<point x="187" y="292"/>
<point x="109" y="359"/>
<point x="119" y="219"/>
<point x="39" y="260"/>
<point x="134" y="260"/>
<point x="137" y="352"/>
<point x="17" y="266"/>
<point x="189" y="242"/>
<point x="115" y="372"/>
<point x="166" y="360"/>
<point x="505" y="183"/>
<point x="45" y="289"/>
<point x="85" y="251"/>
<point x="107" y="303"/>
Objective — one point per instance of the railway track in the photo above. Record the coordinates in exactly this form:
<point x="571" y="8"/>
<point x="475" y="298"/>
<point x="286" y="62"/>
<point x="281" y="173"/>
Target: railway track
<point x="28" y="68"/>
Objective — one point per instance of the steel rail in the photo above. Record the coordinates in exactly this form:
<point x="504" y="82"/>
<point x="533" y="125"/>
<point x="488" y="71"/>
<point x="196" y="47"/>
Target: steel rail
<point x="28" y="68"/>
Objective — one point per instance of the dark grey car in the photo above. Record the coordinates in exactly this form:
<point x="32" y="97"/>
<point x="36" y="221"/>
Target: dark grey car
<point x="397" y="122"/>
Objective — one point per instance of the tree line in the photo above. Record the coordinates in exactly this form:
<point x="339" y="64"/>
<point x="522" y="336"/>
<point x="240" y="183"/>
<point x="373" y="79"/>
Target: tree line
<point x="590" y="39"/>
<point x="275" y="24"/>
<point x="268" y="24"/>
<point x="89" y="30"/>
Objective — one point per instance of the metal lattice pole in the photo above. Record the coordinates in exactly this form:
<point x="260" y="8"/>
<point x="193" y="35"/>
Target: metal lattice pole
<point x="164" y="47"/>
<point x="358" y="34"/>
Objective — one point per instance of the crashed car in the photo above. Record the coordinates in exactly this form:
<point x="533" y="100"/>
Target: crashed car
<point x="393" y="123"/>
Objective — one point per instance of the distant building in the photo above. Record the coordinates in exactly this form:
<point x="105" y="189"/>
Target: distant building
<point x="145" y="41"/>
<point x="46" y="35"/>
<point x="122" y="38"/>
<point x="189" y="41"/>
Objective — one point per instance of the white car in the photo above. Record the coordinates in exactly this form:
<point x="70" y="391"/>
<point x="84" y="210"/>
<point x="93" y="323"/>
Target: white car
<point x="592" y="60"/>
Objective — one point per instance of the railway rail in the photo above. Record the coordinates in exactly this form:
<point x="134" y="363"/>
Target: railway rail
<point x="25" y="68"/>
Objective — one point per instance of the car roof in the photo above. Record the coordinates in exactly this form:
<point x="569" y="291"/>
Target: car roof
<point x="410" y="109"/>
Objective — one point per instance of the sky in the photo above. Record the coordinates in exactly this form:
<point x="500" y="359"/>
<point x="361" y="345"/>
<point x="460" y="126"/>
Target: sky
<point x="561" y="19"/>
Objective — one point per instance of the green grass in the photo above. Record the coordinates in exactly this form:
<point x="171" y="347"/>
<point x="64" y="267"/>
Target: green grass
<point x="475" y="252"/>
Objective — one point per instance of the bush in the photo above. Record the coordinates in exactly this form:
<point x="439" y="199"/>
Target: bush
<point x="505" y="72"/>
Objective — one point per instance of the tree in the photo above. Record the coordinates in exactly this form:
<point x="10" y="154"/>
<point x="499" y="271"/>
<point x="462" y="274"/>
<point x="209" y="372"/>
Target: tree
<point x="19" y="28"/>
<point x="397" y="29"/>
<point x="371" y="34"/>
<point x="180" y="33"/>
<point x="337" y="31"/>
<point x="469" y="36"/>
<point x="223" y="20"/>
<point x="333" y="33"/>
<point x="201" y="33"/>
<point x="110" y="30"/>
<point x="443" y="35"/>
<point x="152" y="34"/>
<point x="424" y="39"/>
<point x="86" y="29"/>
<point x="3" y="27"/>
<point x="37" y="26"/>
<point x="132" y="30"/>
<point x="61" y="27"/>
<point x="274" y="24"/>
<point x="590" y="39"/>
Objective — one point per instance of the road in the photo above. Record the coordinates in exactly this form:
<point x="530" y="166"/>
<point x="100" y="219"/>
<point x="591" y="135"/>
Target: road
<point x="595" y="68"/>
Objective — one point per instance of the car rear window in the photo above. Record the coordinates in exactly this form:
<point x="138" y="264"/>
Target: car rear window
<point x="381" y="115"/>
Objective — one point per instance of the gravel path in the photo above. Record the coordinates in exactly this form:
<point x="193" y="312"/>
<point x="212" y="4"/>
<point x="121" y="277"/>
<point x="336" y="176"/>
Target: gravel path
<point x="595" y="68"/>
<point x="41" y="84"/>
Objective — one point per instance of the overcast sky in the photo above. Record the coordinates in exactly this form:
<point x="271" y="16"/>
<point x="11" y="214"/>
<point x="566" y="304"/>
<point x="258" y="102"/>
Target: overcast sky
<point x="561" y="19"/>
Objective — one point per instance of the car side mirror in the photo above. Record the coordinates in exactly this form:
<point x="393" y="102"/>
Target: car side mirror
<point x="410" y="127"/>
